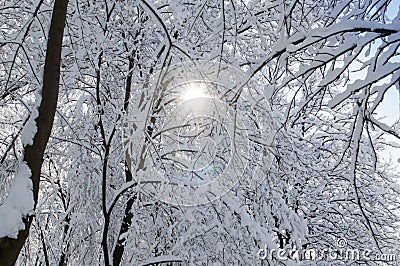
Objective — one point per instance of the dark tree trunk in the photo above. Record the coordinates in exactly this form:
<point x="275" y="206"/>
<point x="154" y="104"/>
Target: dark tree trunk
<point x="33" y="154"/>
<point x="127" y="220"/>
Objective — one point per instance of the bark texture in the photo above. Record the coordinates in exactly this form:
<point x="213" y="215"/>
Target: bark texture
<point x="33" y="154"/>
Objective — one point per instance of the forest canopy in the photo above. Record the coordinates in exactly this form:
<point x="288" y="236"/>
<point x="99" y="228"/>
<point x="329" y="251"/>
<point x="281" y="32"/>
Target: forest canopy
<point x="198" y="132"/>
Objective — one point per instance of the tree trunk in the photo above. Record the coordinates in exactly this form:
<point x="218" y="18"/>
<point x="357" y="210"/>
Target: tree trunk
<point x="33" y="154"/>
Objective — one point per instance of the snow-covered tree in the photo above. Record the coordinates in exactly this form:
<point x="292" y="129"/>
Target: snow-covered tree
<point x="310" y="73"/>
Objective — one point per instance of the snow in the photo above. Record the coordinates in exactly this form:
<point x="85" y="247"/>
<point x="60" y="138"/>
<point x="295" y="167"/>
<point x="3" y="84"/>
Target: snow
<point x="30" y="128"/>
<point x="10" y="223"/>
<point x="161" y="259"/>
<point x="119" y="192"/>
<point x="18" y="204"/>
<point x="372" y="77"/>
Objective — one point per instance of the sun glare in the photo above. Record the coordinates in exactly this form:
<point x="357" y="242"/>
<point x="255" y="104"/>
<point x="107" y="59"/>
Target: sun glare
<point x="193" y="91"/>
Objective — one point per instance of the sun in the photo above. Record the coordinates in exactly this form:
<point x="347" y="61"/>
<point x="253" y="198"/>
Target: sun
<point x="194" y="91"/>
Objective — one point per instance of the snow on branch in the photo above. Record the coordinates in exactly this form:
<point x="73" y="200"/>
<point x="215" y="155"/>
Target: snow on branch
<point x="18" y="204"/>
<point x="162" y="259"/>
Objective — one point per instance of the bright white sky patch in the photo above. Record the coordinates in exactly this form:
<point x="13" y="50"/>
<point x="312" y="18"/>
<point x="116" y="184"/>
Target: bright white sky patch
<point x="194" y="91"/>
